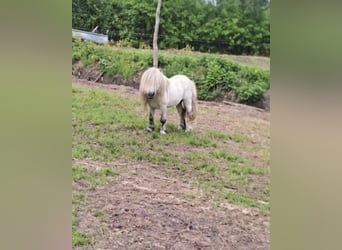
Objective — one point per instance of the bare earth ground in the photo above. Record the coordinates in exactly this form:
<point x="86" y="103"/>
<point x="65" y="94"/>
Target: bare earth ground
<point x="146" y="209"/>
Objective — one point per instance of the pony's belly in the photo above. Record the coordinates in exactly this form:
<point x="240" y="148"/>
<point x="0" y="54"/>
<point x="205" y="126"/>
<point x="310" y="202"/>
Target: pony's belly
<point x="174" y="102"/>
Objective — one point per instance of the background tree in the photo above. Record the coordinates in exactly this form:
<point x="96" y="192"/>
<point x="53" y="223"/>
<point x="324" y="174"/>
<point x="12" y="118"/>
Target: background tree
<point x="228" y="26"/>
<point x="155" y="36"/>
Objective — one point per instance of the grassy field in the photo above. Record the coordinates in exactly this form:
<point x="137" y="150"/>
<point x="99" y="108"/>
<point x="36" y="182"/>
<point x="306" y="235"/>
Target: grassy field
<point x="108" y="127"/>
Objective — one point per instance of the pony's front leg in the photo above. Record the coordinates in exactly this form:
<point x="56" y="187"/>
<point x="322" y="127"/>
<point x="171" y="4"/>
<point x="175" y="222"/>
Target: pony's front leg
<point x="163" y="120"/>
<point x="150" y="127"/>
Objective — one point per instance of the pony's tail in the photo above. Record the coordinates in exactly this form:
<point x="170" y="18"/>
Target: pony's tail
<point x="193" y="114"/>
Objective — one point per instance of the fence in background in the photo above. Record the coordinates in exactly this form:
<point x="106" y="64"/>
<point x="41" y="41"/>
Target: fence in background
<point x="91" y="36"/>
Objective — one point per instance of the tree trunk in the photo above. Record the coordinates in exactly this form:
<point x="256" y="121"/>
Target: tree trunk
<point x="155" y="36"/>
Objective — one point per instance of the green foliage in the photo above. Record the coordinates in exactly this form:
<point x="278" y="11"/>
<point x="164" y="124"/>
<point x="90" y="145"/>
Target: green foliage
<point x="250" y="93"/>
<point x="222" y="76"/>
<point x="233" y="26"/>
<point x="215" y="76"/>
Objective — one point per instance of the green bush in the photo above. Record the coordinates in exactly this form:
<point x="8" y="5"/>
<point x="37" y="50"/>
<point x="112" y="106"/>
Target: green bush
<point x="250" y="93"/>
<point x="214" y="76"/>
<point x="229" y="26"/>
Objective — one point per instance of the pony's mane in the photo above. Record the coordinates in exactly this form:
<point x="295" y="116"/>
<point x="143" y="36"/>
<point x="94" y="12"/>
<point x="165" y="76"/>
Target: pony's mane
<point x="153" y="80"/>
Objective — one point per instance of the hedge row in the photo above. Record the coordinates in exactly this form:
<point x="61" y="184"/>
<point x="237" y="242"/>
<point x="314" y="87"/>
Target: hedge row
<point x="215" y="76"/>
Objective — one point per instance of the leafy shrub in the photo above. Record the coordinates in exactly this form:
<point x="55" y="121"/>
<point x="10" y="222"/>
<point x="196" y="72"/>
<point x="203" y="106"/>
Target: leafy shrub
<point x="250" y="92"/>
<point x="214" y="76"/>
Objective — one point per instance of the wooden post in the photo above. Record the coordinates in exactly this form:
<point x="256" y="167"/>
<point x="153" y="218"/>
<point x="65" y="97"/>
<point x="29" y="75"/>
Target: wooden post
<point x="155" y="36"/>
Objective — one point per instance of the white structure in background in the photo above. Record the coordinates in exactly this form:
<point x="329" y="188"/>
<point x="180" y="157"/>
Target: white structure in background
<point x="91" y="36"/>
<point x="213" y="2"/>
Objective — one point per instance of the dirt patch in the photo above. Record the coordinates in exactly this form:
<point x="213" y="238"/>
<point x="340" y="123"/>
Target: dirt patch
<point x="145" y="210"/>
<point x="94" y="74"/>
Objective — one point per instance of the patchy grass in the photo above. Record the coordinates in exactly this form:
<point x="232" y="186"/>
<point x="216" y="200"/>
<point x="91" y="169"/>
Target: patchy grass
<point x="225" y="136"/>
<point x="246" y="169"/>
<point x="101" y="216"/>
<point x="225" y="155"/>
<point x="189" y="196"/>
<point x="79" y="238"/>
<point x="78" y="199"/>
<point x="240" y="199"/>
<point x="95" y="177"/>
<point x="107" y="126"/>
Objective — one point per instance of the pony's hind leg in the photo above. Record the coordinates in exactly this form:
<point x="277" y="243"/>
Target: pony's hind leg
<point x="181" y="111"/>
<point x="188" y="110"/>
<point x="150" y="127"/>
<point x="188" y="107"/>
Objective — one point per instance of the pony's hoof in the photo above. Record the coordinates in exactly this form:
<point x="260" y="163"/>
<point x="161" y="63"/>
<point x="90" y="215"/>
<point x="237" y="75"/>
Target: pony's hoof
<point x="163" y="132"/>
<point x="181" y="128"/>
<point x="188" y="129"/>
<point x="149" y="129"/>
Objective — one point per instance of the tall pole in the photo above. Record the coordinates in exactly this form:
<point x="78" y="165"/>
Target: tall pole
<point x="155" y="36"/>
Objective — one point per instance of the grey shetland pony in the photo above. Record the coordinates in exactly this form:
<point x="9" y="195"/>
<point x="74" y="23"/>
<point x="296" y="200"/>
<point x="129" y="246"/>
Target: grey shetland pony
<point x="159" y="92"/>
